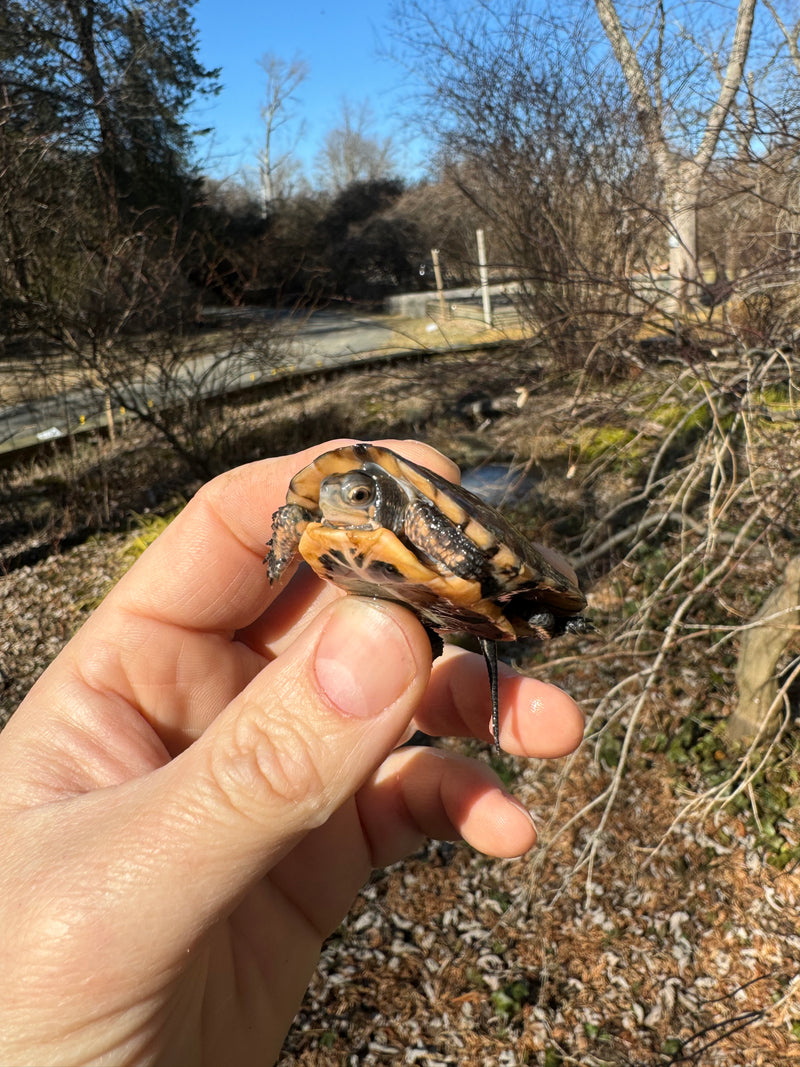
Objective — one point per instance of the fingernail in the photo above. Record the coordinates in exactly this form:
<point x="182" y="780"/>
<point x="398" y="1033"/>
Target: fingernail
<point x="363" y="662"/>
<point x="520" y="807"/>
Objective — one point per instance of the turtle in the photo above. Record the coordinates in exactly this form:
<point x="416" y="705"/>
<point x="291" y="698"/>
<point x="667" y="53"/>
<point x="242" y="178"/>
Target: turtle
<point x="376" y="524"/>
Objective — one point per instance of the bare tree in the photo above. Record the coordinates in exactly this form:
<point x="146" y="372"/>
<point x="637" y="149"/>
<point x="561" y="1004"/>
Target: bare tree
<point x="542" y="144"/>
<point x="106" y="249"/>
<point x="791" y="34"/>
<point x="681" y="174"/>
<point x="707" y="103"/>
<point x="352" y="152"/>
<point x="275" y="162"/>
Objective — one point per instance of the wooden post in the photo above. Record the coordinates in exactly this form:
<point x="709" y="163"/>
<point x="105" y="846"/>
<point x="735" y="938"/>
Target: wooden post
<point x="437" y="273"/>
<point x="484" y="275"/>
<point x="110" y="419"/>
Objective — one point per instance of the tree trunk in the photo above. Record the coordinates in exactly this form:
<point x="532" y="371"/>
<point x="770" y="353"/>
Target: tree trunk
<point x="83" y="20"/>
<point x="681" y="180"/>
<point x="683" y="194"/>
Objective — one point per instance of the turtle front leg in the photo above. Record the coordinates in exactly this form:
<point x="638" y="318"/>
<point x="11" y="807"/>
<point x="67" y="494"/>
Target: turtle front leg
<point x="489" y="649"/>
<point x="288" y="524"/>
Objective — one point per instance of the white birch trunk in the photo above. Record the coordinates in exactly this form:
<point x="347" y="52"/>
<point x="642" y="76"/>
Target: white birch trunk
<point x="681" y="179"/>
<point x="683" y="194"/>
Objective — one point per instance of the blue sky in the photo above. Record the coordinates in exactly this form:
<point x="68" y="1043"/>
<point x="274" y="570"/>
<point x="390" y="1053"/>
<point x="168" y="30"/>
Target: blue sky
<point x="339" y="40"/>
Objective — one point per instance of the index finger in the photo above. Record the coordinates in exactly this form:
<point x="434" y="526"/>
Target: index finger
<point x="162" y="648"/>
<point x="205" y="571"/>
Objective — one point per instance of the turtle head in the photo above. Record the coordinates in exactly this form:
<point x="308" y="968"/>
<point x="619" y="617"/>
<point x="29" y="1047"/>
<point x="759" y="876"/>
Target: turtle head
<point x="365" y="498"/>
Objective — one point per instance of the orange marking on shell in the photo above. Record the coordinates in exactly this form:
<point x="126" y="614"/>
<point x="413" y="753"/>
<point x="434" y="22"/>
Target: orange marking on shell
<point x="414" y="576"/>
<point x="479" y="535"/>
<point x="304" y="487"/>
<point x="450" y="508"/>
<point x="506" y="561"/>
<point x="379" y="544"/>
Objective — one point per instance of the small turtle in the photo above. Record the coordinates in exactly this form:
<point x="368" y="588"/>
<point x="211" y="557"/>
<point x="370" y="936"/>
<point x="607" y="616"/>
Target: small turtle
<point x="376" y="524"/>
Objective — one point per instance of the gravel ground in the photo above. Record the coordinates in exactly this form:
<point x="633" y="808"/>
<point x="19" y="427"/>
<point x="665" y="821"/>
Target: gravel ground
<point x="688" y="957"/>
<point x="690" y="954"/>
<point x="44" y="604"/>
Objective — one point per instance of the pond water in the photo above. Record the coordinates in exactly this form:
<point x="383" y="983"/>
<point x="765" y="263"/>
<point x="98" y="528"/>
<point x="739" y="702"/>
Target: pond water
<point x="498" y="483"/>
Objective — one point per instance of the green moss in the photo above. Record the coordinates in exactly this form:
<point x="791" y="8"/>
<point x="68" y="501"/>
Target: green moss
<point x="148" y="528"/>
<point x="597" y="442"/>
<point x="619" y="447"/>
<point x="672" y="1046"/>
<point x="610" y="750"/>
<point x="553" y="1058"/>
<point x="779" y="396"/>
<point x="691" y="418"/>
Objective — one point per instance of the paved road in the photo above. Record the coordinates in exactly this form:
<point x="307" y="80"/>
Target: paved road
<point x="322" y="339"/>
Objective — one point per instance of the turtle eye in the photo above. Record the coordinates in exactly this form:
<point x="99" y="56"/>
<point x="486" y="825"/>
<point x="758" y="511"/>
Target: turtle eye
<point x="347" y="498"/>
<point x="359" y="493"/>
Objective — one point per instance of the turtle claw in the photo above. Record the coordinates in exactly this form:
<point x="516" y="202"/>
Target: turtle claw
<point x="435" y="638"/>
<point x="489" y="649"/>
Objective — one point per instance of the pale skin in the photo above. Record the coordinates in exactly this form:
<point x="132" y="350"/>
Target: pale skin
<point x="197" y="787"/>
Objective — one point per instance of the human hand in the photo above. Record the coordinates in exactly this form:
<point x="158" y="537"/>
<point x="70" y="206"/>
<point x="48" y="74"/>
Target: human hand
<point x="197" y="787"/>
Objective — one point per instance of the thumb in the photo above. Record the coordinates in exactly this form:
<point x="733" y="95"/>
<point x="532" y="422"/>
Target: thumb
<point x="296" y="743"/>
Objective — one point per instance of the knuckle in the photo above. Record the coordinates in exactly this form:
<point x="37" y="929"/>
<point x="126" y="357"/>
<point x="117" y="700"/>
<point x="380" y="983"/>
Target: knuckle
<point x="268" y="763"/>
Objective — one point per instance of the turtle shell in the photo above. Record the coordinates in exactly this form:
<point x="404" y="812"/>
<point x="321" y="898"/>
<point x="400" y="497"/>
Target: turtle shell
<point x="425" y="542"/>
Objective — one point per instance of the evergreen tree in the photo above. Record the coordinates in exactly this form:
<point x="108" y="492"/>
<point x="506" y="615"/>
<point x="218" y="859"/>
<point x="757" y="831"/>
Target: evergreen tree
<point x="109" y="84"/>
